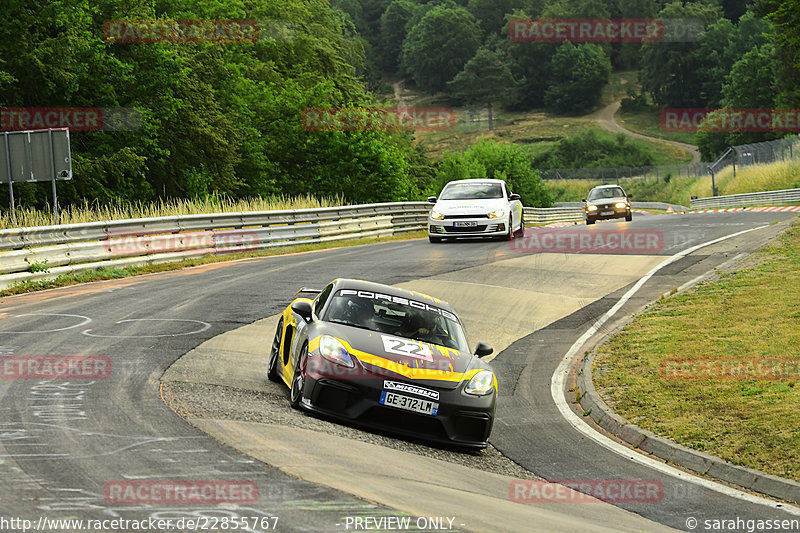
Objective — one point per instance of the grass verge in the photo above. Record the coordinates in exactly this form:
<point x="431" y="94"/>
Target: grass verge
<point x="94" y="212"/>
<point x="742" y="316"/>
<point x="105" y="273"/>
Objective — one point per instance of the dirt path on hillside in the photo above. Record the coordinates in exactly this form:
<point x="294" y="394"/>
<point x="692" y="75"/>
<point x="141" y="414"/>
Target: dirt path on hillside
<point x="605" y="117"/>
<point x="398" y="93"/>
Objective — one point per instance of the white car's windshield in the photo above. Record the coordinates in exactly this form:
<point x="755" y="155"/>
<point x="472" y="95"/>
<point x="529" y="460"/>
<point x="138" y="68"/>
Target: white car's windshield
<point x="471" y="191"/>
<point x="606" y="192"/>
<point x="397" y="316"/>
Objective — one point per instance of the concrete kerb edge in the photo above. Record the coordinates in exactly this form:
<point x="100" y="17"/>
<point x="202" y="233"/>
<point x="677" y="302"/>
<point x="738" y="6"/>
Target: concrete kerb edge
<point x="702" y="463"/>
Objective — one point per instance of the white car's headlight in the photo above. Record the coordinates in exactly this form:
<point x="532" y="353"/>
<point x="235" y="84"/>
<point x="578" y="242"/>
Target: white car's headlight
<point x="331" y="349"/>
<point x="500" y="213"/>
<point x="621" y="205"/>
<point x="591" y="208"/>
<point x="481" y="383"/>
<point x="436" y="215"/>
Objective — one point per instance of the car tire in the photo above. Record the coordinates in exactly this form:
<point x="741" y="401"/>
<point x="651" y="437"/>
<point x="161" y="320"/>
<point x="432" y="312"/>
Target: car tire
<point x="629" y="217"/>
<point x="274" y="354"/>
<point x="521" y="230"/>
<point x="589" y="221"/>
<point x="434" y="239"/>
<point x="511" y="233"/>
<point x="298" y="380"/>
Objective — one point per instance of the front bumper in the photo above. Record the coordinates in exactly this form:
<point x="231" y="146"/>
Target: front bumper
<point x="467" y="227"/>
<point x="606" y="212"/>
<point x="462" y="419"/>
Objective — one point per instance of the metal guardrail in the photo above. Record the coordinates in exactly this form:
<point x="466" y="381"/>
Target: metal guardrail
<point x="748" y="199"/>
<point x="45" y="252"/>
<point x="546" y="215"/>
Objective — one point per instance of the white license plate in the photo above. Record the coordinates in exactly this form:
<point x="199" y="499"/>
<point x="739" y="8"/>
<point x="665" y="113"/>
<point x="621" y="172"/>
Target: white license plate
<point x="604" y="213"/>
<point x="408" y="403"/>
<point x="468" y="224"/>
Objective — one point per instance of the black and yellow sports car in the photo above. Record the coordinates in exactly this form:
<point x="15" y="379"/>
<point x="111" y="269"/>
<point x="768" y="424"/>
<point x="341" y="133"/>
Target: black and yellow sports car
<point x="387" y="358"/>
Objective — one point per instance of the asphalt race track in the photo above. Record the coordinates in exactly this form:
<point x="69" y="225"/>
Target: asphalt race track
<point x="66" y="444"/>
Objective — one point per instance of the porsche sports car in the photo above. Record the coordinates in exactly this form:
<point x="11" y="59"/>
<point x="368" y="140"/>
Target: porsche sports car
<point x="387" y="358"/>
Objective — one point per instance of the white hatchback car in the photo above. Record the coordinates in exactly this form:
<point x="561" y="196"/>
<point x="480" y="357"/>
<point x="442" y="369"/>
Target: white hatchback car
<point x="475" y="208"/>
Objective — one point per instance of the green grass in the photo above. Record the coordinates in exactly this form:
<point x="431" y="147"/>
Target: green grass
<point x="106" y="273"/>
<point x="648" y="123"/>
<point x="88" y="212"/>
<point x="751" y="313"/>
<point x="679" y="190"/>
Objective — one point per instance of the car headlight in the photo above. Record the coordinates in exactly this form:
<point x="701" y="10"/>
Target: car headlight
<point x="591" y="208"/>
<point x="622" y="205"/>
<point x="331" y="349"/>
<point x="481" y="383"/>
<point x="436" y="215"/>
<point x="500" y="213"/>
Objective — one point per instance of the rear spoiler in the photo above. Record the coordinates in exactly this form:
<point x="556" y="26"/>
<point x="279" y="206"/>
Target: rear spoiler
<point x="307" y="291"/>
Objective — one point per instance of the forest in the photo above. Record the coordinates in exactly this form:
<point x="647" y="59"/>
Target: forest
<point x="224" y="118"/>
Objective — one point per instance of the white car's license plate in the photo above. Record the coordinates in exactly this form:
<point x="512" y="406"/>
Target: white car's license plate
<point x="408" y="403"/>
<point x="604" y="213"/>
<point x="467" y="224"/>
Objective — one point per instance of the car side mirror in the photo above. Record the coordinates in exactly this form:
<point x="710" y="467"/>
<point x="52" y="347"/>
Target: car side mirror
<point x="302" y="308"/>
<point x="514" y="196"/>
<point x="432" y="199"/>
<point x="482" y="349"/>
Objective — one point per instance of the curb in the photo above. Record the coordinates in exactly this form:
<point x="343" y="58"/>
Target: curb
<point x="671" y="452"/>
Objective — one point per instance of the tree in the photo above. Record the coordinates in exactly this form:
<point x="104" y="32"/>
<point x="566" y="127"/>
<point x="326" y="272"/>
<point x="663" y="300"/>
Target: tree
<point x="720" y="46"/>
<point x="785" y="18"/>
<point x="487" y="159"/>
<point x="438" y="47"/>
<point x="578" y="72"/>
<point x="393" y="30"/>
<point x="749" y="85"/>
<point x="491" y="13"/>
<point x="486" y="79"/>
<point x="670" y="71"/>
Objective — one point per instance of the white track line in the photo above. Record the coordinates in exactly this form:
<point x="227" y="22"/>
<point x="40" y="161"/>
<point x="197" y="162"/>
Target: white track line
<point x="560" y="375"/>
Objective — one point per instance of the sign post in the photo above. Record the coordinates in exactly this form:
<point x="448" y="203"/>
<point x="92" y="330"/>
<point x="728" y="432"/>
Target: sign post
<point x="34" y="156"/>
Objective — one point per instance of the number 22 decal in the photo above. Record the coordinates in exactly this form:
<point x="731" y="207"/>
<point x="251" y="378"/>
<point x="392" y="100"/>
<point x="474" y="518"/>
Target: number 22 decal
<point x="407" y="347"/>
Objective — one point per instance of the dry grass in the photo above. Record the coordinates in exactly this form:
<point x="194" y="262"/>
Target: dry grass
<point x="89" y="212"/>
<point x="749" y="314"/>
<point x="771" y="177"/>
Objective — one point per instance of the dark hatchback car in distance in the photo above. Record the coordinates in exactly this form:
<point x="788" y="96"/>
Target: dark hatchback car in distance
<point x="606" y="202"/>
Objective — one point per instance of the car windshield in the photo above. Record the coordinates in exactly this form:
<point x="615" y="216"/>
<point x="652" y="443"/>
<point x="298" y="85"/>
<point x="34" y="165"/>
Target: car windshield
<point x="606" y="192"/>
<point x="471" y="191"/>
<point x="398" y="316"/>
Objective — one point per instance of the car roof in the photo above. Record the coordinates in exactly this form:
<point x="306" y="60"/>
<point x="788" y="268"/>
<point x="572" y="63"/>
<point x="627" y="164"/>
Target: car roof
<point x="606" y="186"/>
<point x="475" y="180"/>
<point x="371" y="286"/>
